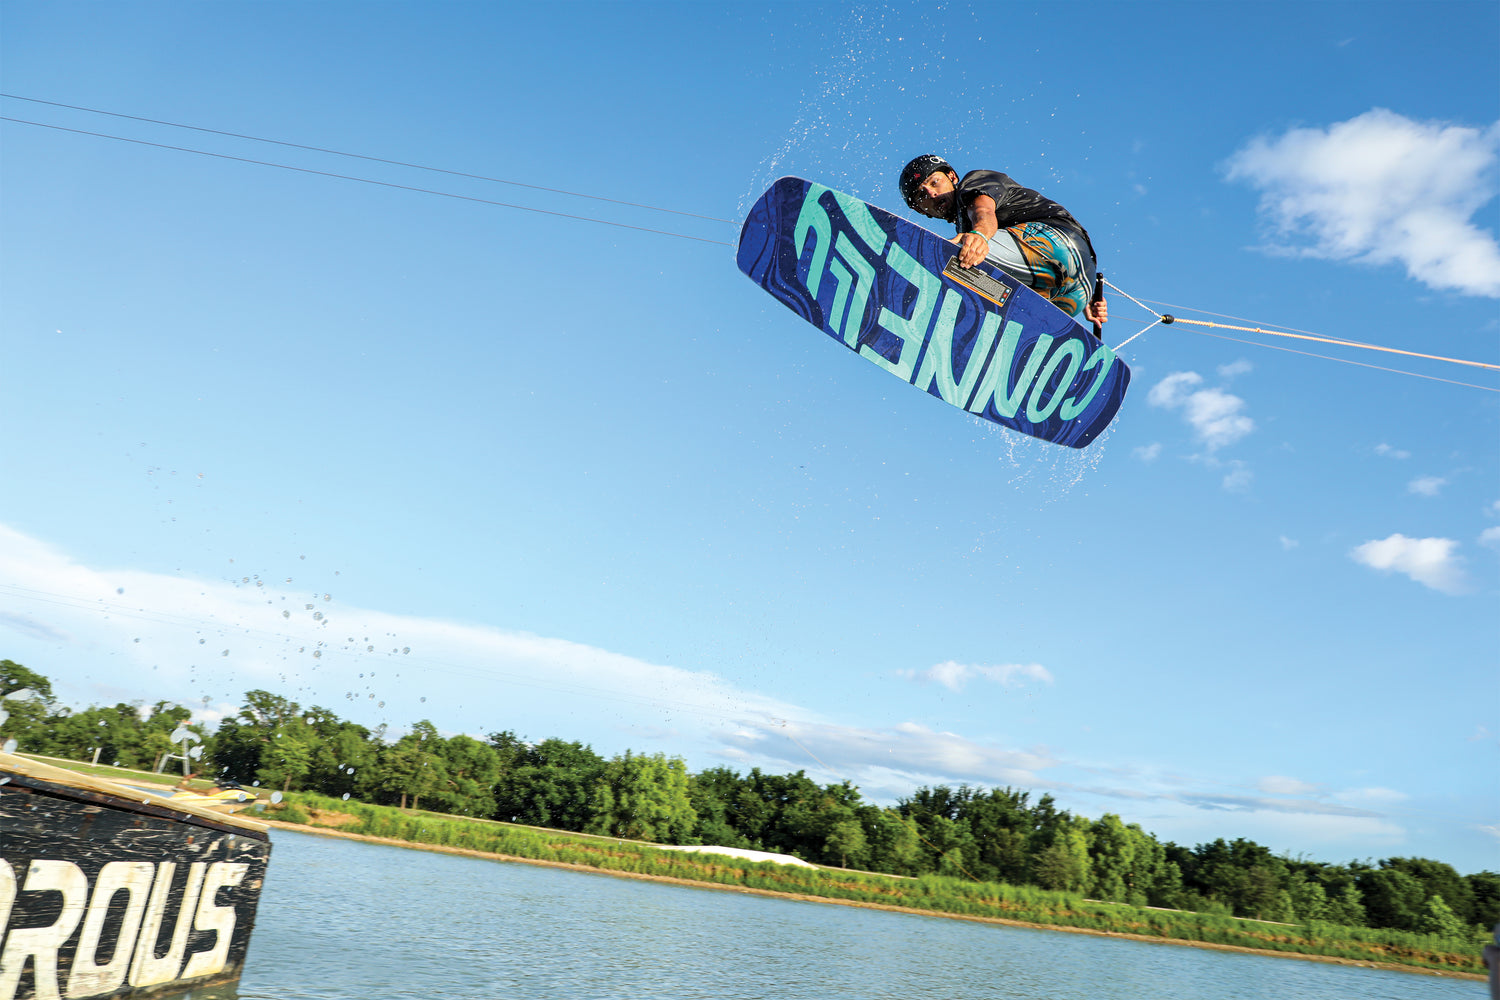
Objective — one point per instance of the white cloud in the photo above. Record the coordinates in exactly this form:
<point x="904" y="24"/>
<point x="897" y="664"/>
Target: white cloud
<point x="1374" y="797"/>
<point x="1426" y="486"/>
<point x="1490" y="537"/>
<point x="474" y="679"/>
<point x="1389" y="452"/>
<point x="1381" y="188"/>
<point x="954" y="676"/>
<point x="1214" y="415"/>
<point x="1240" y="367"/>
<point x="1148" y="452"/>
<point x="1275" y="784"/>
<point x="1287" y="544"/>
<point x="1431" y="562"/>
<point x="1238" y="478"/>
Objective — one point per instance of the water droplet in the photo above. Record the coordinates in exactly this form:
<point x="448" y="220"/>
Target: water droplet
<point x="119" y="590"/>
<point x="346" y="794"/>
<point x="10" y="746"/>
<point x="275" y="796"/>
<point x="286" y="614"/>
<point x="405" y="649"/>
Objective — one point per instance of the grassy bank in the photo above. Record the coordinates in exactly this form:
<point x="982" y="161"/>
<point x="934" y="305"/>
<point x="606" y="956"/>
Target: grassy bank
<point x="931" y="894"/>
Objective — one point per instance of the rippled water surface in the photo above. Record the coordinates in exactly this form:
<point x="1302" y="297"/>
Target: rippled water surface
<point x="354" y="921"/>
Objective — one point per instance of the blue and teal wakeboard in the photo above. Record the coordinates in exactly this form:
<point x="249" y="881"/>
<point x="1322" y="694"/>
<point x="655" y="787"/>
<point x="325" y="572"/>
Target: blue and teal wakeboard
<point x="893" y="292"/>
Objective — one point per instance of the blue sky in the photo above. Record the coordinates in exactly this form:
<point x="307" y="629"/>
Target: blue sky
<point x="410" y="456"/>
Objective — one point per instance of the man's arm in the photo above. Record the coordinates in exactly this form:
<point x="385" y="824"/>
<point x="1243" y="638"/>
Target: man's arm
<point x="974" y="245"/>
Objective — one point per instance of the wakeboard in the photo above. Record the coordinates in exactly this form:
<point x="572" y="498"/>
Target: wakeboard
<point x="894" y="293"/>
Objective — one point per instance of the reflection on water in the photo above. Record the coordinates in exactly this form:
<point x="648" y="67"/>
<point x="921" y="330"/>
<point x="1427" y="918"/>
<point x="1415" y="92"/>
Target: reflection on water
<point x="353" y="921"/>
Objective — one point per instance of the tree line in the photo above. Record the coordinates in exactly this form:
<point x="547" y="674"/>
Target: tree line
<point x="983" y="834"/>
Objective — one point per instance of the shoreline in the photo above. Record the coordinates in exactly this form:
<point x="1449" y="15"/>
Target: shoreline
<point x="323" y="831"/>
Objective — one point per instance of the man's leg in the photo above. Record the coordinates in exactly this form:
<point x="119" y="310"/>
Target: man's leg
<point x="1047" y="260"/>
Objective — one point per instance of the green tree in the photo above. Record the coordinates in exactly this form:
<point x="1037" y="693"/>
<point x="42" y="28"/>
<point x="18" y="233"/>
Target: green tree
<point x="15" y="678"/>
<point x="288" y="756"/>
<point x="244" y="739"/>
<point x="1309" y="900"/>
<point x="846" y="839"/>
<point x="1114" y="855"/>
<point x="24" y="719"/>
<point x="1486" y="889"/>
<point x="548" y="784"/>
<point x="1438" y="918"/>
<point x="643" y="798"/>
<point x="894" y="842"/>
<point x="711" y="791"/>
<point x="1064" y="864"/>
<point x="413" y="766"/>
<point x="1346" y="905"/>
<point x="345" y="757"/>
<point x="1393" y="898"/>
<point x="1440" y="879"/>
<point x="471" y="768"/>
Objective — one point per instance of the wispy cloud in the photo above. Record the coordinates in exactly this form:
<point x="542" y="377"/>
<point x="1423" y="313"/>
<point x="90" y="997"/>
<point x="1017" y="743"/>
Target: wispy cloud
<point x="1147" y="452"/>
<point x="954" y="676"/>
<point x="1389" y="452"/>
<point x="1287" y="544"/>
<point x="1238" y="478"/>
<point x="1373" y="797"/>
<point x="1239" y="367"/>
<point x="146" y="636"/>
<point x="1426" y="486"/>
<point x="1490" y="537"/>
<point x="1216" y="416"/>
<point x="1276" y="784"/>
<point x="1381" y="188"/>
<point x="1432" y="562"/>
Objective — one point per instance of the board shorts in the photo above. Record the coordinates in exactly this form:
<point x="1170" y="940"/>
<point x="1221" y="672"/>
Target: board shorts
<point x="1049" y="260"/>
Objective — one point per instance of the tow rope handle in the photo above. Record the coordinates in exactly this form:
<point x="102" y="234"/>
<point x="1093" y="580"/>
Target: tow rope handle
<point x="1098" y="297"/>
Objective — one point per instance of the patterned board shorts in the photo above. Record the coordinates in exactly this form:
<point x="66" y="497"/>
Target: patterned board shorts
<point x="1048" y="260"/>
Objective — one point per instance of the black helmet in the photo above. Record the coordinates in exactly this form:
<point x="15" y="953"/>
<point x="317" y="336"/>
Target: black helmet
<point x="917" y="171"/>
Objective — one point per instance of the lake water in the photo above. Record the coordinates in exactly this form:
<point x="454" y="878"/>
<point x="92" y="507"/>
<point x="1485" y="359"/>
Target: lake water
<point x="354" y="921"/>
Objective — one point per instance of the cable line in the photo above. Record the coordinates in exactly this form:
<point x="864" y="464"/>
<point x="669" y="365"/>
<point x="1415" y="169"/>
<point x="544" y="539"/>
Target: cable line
<point x="367" y="180"/>
<point x="361" y="156"/>
<point x="1166" y="319"/>
<point x="1163" y="319"/>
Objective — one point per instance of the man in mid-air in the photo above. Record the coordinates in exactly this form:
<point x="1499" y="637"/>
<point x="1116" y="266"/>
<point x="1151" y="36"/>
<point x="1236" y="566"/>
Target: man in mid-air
<point x="1028" y="236"/>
